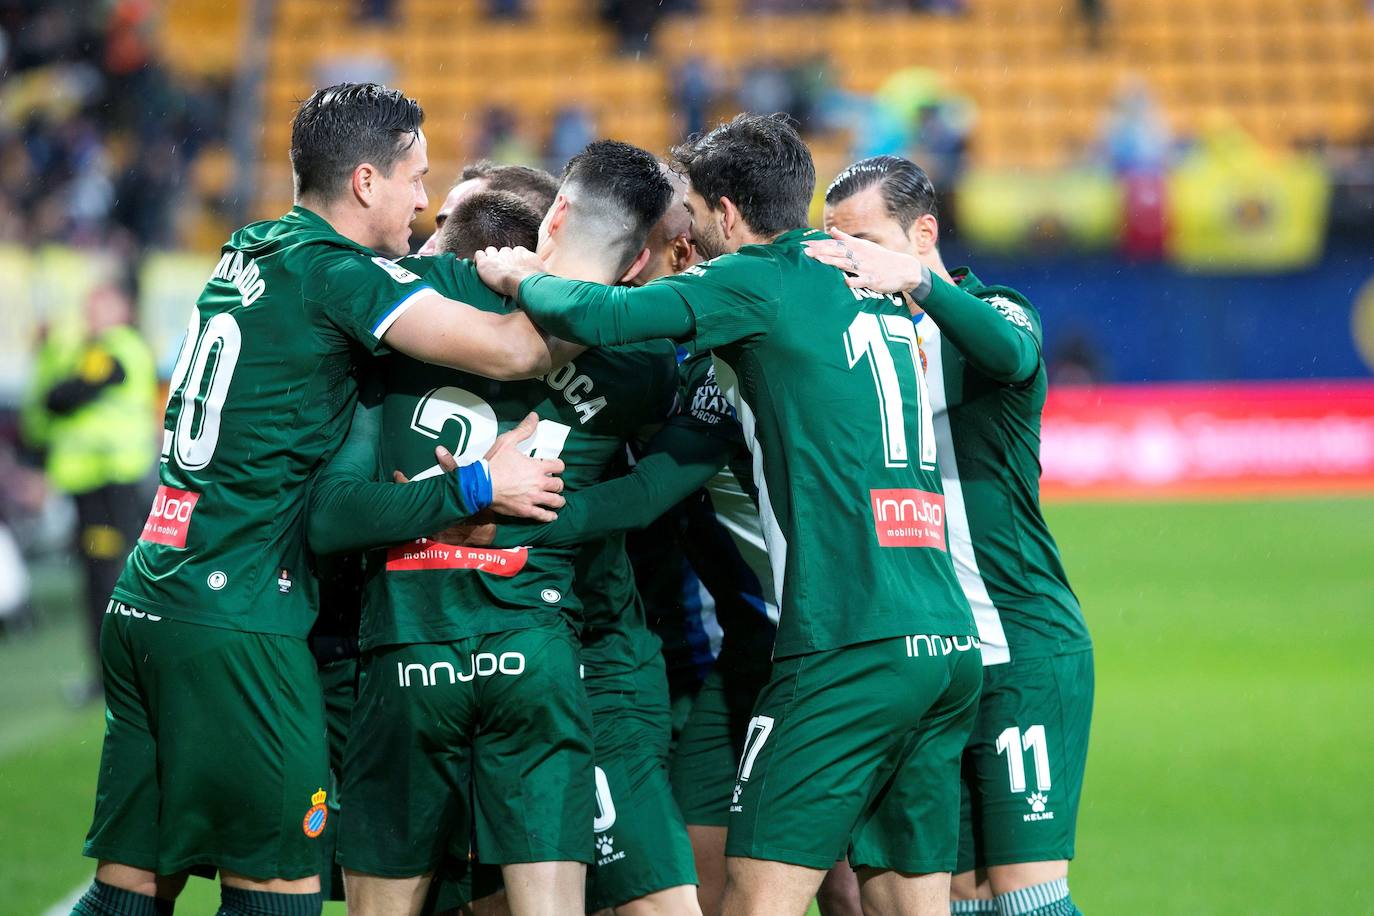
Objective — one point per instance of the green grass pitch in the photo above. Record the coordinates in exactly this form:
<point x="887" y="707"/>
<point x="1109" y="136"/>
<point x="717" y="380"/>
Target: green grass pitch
<point x="1233" y="734"/>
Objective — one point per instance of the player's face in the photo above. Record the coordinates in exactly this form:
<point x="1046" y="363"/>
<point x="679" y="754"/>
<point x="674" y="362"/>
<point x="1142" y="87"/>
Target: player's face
<point x="865" y="216"/>
<point x="456" y="195"/>
<point x="398" y="197"/>
<point x="707" y="231"/>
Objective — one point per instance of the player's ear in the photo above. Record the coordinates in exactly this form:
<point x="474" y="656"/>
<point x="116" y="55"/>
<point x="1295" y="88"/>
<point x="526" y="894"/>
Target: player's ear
<point x="364" y="178"/>
<point x="636" y="266"/>
<point x="558" y="214"/>
<point x="926" y="234"/>
<point x="730" y="217"/>
<point x="682" y="253"/>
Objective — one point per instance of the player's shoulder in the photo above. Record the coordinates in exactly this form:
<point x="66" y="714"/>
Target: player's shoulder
<point x="1014" y="305"/>
<point x="455" y="278"/>
<point x="748" y="264"/>
<point x="643" y="363"/>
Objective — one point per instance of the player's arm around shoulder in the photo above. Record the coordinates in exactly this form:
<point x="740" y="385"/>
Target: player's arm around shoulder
<point x="387" y="306"/>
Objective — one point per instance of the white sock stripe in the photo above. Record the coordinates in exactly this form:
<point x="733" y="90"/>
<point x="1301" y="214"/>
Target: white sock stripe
<point x="1029" y="899"/>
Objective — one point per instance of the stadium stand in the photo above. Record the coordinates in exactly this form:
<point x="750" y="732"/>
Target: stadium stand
<point x="1287" y="71"/>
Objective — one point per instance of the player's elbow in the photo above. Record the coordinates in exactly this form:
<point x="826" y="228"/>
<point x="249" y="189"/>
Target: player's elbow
<point x="522" y="354"/>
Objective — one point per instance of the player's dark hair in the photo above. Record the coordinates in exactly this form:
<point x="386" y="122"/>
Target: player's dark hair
<point x="760" y="163"/>
<point x="623" y="186"/>
<point x="490" y="218"/>
<point x="907" y="191"/>
<point x="339" y="128"/>
<point x="535" y="186"/>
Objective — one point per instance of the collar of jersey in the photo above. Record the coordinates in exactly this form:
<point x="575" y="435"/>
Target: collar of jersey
<point x="796" y="235"/>
<point x="965" y="279"/>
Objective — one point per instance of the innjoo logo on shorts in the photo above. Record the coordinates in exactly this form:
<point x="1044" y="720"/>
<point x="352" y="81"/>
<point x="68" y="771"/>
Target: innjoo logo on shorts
<point x="482" y="664"/>
<point x="908" y="518"/>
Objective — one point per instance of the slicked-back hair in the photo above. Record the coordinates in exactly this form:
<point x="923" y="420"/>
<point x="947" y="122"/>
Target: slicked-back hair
<point x="535" y="186"/>
<point x="760" y="163"/>
<point x="907" y="191"/>
<point x="341" y="127"/>
<point x="619" y="191"/>
<point x="490" y="218"/>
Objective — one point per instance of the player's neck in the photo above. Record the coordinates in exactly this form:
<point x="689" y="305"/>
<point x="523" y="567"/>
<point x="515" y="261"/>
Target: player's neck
<point x="346" y="221"/>
<point x="573" y="265"/>
<point x="936" y="264"/>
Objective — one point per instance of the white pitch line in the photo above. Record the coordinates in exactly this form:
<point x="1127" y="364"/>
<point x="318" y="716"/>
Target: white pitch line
<point x="64" y="907"/>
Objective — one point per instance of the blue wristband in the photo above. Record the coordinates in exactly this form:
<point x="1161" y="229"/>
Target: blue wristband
<point x="474" y="480"/>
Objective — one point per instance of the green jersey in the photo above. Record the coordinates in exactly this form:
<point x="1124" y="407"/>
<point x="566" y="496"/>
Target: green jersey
<point x="615" y="634"/>
<point x="988" y="434"/>
<point x="424" y="591"/>
<point x="827" y="386"/>
<point x="261" y="395"/>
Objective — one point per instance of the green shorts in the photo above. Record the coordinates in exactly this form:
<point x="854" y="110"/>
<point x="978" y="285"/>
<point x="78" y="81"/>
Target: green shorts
<point x="339" y="680"/>
<point x="859" y="747"/>
<point x="1023" y="766"/>
<point x="708" y="750"/>
<point x="641" y="840"/>
<point x="481" y="743"/>
<point x="240" y="779"/>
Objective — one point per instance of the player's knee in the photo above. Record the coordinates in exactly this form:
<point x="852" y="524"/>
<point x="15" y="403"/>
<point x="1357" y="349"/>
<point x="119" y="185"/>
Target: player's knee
<point x="970" y="885"/>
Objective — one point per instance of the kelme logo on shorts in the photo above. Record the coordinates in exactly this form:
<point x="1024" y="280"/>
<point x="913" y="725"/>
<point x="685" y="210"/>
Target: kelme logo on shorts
<point x="483" y="664"/>
<point x="170" y="517"/>
<point x="908" y="518"/>
<point x="315" y="818"/>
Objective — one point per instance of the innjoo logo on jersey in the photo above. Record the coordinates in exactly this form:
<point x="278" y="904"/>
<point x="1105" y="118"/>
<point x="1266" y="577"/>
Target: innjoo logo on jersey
<point x="170" y="517"/>
<point x="908" y="518"/>
<point x="427" y="554"/>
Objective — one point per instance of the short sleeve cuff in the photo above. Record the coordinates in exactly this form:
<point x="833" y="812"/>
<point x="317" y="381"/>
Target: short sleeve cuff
<point x="396" y="311"/>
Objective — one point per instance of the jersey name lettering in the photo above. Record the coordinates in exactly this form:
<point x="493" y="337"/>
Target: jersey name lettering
<point x="576" y="389"/>
<point x="243" y="272"/>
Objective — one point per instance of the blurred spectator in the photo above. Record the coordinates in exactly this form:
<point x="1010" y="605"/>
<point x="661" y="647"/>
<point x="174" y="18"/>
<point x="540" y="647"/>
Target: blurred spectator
<point x="792" y="6"/>
<point x="634" y="20"/>
<point x="1076" y="361"/>
<point x="379" y="11"/>
<point x="696" y="85"/>
<point x="499" y="138"/>
<point x="1136" y="137"/>
<point x="573" y="128"/>
<point x="1093" y="14"/>
<point x="506" y="9"/>
<point x="95" y="137"/>
<point x="91" y="410"/>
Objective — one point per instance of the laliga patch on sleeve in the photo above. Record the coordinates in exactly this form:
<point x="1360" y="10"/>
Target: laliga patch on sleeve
<point x="398" y="273"/>
<point x="170" y="517"/>
<point x="908" y="518"/>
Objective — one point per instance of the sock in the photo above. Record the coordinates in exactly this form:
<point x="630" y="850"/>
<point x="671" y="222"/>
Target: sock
<point x="235" y="901"/>
<point x="103" y="899"/>
<point x="973" y="907"/>
<point x="1048" y="899"/>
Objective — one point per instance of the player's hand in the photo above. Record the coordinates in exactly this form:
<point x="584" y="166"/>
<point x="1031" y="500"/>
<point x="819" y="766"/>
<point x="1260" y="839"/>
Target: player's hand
<point x="478" y="531"/>
<point x="523" y="487"/>
<point x="447" y="463"/>
<point x="868" y="264"/>
<point x="503" y="269"/>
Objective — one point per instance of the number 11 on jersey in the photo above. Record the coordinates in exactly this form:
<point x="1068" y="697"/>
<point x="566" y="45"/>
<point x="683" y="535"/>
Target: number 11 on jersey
<point x="876" y="336"/>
